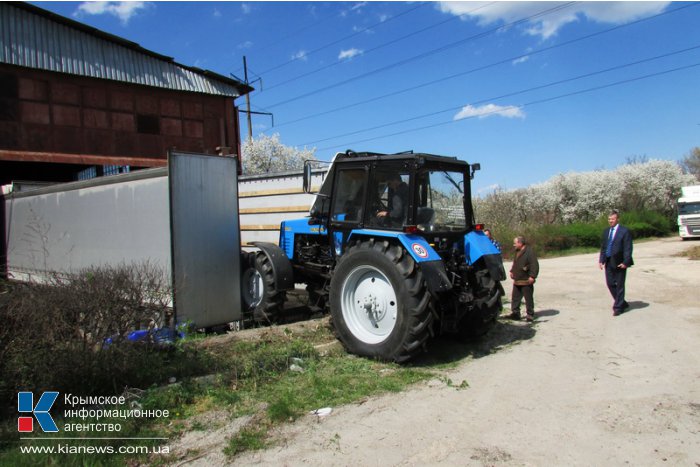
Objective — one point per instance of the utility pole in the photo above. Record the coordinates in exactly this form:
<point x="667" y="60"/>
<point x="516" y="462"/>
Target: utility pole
<point x="249" y="112"/>
<point x="247" y="100"/>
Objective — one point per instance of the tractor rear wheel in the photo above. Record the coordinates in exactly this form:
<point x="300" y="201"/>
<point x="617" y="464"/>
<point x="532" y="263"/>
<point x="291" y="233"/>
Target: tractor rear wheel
<point x="379" y="302"/>
<point x="259" y="291"/>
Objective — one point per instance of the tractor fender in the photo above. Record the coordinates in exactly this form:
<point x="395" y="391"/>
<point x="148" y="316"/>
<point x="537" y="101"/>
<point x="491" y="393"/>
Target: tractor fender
<point x="476" y="246"/>
<point x="281" y="266"/>
<point x="422" y="253"/>
<point x="416" y="246"/>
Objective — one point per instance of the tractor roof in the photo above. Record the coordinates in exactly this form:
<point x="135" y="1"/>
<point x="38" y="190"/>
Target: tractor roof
<point x="407" y="155"/>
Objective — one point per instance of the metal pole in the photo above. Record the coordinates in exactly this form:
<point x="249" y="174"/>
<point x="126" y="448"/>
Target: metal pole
<point x="247" y="101"/>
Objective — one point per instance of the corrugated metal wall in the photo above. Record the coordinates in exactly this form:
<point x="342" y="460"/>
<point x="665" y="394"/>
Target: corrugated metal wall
<point x="37" y="41"/>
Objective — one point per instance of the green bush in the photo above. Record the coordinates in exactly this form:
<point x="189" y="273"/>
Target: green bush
<point x="648" y="223"/>
<point x="551" y="238"/>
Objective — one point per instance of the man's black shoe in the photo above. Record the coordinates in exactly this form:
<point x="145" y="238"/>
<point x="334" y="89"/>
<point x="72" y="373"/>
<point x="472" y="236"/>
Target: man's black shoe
<point x="513" y="316"/>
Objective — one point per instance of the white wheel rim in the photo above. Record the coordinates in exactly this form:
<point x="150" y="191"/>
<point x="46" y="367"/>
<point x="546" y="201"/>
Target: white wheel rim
<point x="252" y="287"/>
<point x="369" y="304"/>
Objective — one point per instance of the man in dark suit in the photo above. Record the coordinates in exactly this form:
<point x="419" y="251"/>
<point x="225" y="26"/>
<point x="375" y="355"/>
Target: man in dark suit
<point x="615" y="258"/>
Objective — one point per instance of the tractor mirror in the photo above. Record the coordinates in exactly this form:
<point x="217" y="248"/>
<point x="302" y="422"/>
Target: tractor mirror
<point x="474" y="168"/>
<point x="307" y="177"/>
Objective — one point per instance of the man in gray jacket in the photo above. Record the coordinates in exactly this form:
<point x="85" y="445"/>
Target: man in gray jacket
<point x="524" y="273"/>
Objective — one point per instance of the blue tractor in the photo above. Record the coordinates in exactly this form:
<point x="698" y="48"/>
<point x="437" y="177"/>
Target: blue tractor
<point x="391" y="250"/>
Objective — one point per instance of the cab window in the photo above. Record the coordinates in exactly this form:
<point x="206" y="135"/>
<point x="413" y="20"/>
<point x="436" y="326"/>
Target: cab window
<point x="349" y="199"/>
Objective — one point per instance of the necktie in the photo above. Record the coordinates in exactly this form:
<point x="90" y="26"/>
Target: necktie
<point x="608" y="249"/>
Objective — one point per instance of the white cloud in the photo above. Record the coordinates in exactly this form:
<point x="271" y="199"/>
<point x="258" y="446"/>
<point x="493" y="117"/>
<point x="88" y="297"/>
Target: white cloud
<point x="245" y="45"/>
<point x="358" y="6"/>
<point x="122" y="10"/>
<point x="520" y="60"/>
<point x="489" y="110"/>
<point x="301" y="55"/>
<point x="246" y="8"/>
<point x="523" y="58"/>
<point x="217" y="13"/>
<point x="349" y="53"/>
<point x="549" y="24"/>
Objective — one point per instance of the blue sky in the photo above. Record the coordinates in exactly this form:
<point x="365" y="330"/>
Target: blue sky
<point x="527" y="89"/>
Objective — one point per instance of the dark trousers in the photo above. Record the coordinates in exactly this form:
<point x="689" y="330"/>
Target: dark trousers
<point x="615" y="279"/>
<point x="520" y="292"/>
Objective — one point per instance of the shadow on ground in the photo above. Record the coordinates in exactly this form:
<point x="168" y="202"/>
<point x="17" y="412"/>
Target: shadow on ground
<point x="449" y="349"/>
<point x="546" y="313"/>
<point x="636" y="306"/>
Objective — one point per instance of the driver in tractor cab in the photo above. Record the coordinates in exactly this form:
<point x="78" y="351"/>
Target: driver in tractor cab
<point x="397" y="201"/>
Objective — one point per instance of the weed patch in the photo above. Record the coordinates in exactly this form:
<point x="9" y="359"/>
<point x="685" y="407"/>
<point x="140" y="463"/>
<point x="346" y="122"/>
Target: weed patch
<point x="692" y="253"/>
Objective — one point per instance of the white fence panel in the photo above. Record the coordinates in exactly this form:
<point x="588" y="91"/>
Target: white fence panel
<point x="266" y="200"/>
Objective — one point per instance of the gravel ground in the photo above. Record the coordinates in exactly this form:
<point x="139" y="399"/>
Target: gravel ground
<point x="577" y="387"/>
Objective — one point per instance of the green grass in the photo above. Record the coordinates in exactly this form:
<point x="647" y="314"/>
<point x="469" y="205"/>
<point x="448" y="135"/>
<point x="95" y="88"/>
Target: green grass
<point x="248" y="439"/>
<point x="252" y="378"/>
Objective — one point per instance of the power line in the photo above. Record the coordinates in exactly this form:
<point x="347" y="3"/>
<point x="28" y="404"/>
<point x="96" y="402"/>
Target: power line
<point x="356" y="33"/>
<point x="511" y="94"/>
<point x="522" y="106"/>
<point x="291" y="34"/>
<point x="381" y="46"/>
<point x="484" y="67"/>
<point x="424" y="54"/>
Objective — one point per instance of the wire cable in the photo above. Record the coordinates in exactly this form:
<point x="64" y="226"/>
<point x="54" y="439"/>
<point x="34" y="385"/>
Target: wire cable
<point x="356" y="33"/>
<point x="381" y="46"/>
<point x="484" y="67"/>
<point x="511" y="94"/>
<point x="291" y="34"/>
<point x="423" y="55"/>
<point x="522" y="106"/>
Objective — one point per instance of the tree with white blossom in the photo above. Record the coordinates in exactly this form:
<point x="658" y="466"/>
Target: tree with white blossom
<point x="266" y="154"/>
<point x="691" y="163"/>
<point x="652" y="185"/>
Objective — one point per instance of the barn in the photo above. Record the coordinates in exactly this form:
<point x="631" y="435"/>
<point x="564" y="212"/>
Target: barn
<point x="77" y="102"/>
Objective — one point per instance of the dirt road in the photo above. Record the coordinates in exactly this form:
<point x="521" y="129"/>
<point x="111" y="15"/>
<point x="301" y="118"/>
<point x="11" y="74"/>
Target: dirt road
<point x="579" y="387"/>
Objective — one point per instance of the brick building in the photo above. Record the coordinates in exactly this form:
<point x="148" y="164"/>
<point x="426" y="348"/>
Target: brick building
<point x="77" y="102"/>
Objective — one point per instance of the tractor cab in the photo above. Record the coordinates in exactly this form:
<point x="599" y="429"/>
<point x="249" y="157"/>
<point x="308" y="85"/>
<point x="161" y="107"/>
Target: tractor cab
<point x="411" y="193"/>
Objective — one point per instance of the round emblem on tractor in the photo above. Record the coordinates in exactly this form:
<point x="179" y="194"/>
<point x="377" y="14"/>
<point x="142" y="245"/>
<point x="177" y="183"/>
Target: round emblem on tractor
<point x="420" y="250"/>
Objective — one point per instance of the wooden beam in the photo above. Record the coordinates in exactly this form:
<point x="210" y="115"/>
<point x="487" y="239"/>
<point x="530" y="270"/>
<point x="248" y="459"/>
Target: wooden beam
<point x="259" y="227"/>
<point x="79" y="159"/>
<point x="274" y="209"/>
<point x="280" y="191"/>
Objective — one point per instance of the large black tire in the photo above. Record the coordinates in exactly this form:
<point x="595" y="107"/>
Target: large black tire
<point x="379" y="302"/>
<point x="258" y="291"/>
<point x="487" y="307"/>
